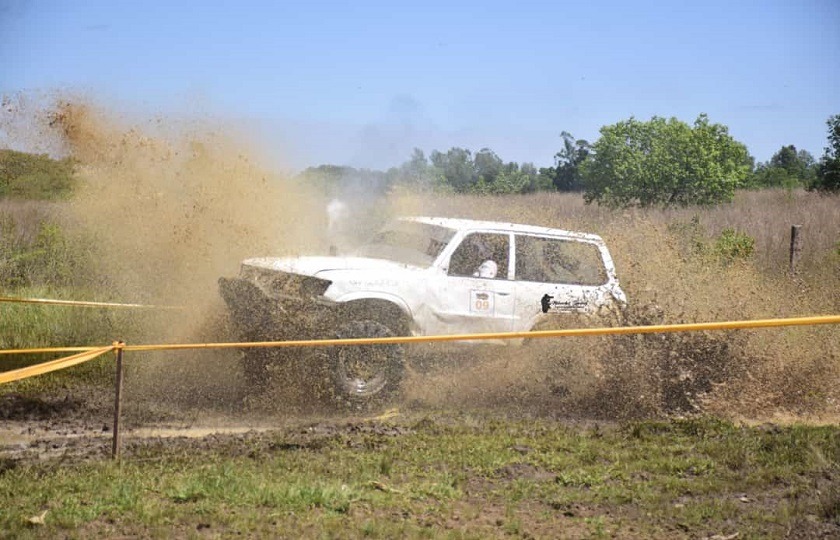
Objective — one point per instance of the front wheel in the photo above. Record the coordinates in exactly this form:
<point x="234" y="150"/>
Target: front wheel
<point x="365" y="375"/>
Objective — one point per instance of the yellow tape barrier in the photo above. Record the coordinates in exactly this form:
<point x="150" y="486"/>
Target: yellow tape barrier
<point x="53" y="365"/>
<point x="81" y="303"/>
<point x="662" y="328"/>
<point x="90" y="353"/>
<point x="47" y="350"/>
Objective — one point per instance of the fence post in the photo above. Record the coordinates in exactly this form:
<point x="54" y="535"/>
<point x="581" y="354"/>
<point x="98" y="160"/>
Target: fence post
<point x="795" y="248"/>
<point x="118" y="383"/>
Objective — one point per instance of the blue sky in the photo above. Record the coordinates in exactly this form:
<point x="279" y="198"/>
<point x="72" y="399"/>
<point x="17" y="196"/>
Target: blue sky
<point x="362" y="83"/>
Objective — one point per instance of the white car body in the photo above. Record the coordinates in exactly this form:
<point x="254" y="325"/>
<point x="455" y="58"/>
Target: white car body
<point x="437" y="300"/>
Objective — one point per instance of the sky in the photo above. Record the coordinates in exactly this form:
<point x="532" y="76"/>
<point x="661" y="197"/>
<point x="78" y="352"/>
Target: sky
<point x="363" y="83"/>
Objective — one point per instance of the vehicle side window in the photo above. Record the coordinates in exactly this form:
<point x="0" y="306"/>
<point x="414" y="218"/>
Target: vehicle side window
<point x="552" y="260"/>
<point x="481" y="255"/>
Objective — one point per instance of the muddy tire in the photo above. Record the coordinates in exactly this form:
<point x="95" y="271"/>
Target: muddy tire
<point x="362" y="376"/>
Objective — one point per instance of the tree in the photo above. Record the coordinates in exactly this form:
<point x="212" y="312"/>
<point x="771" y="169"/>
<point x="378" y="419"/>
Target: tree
<point x="828" y="170"/>
<point x="785" y="158"/>
<point x="488" y="166"/>
<point x="512" y="178"/>
<point x="566" y="175"/>
<point x="35" y="176"/>
<point x="457" y="168"/>
<point x="663" y="163"/>
<point x="787" y="168"/>
<point x="460" y="171"/>
<point x="415" y="173"/>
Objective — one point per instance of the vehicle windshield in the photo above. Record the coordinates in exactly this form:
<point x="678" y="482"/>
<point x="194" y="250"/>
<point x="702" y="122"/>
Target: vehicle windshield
<point x="408" y="242"/>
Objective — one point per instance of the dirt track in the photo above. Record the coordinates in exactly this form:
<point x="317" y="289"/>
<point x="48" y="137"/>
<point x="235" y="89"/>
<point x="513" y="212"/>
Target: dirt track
<point x="80" y="428"/>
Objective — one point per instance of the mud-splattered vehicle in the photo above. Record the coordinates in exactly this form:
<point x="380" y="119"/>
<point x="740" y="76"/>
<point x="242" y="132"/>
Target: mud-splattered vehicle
<point x="418" y="276"/>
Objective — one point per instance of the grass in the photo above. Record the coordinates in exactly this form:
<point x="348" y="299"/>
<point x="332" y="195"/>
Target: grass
<point x="457" y="476"/>
<point x="32" y="325"/>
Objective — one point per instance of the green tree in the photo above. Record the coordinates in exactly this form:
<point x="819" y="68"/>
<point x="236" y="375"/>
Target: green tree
<point x="415" y="173"/>
<point x="487" y="165"/>
<point x="462" y="171"/>
<point x="828" y="170"/>
<point x="663" y="163"/>
<point x="512" y="178"/>
<point x="787" y="168"/>
<point x="566" y="173"/>
<point x="457" y="168"/>
<point x="536" y="180"/>
<point x="35" y="176"/>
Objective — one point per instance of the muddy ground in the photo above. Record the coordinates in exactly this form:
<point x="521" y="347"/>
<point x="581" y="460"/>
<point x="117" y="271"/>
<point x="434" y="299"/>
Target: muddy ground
<point x="73" y="429"/>
<point x="198" y="400"/>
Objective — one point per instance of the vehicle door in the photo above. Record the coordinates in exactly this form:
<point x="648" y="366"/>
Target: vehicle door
<point x="555" y="275"/>
<point x="473" y="292"/>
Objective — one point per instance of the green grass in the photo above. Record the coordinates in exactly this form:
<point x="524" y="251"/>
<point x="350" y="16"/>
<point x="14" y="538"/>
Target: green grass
<point x="455" y="476"/>
<point x="24" y="326"/>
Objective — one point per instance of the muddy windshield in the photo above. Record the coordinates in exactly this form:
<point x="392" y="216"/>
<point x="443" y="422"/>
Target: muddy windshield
<point x="417" y="244"/>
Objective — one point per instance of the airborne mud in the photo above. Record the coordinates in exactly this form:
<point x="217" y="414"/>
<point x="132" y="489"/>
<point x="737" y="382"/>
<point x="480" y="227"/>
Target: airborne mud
<point x="172" y="207"/>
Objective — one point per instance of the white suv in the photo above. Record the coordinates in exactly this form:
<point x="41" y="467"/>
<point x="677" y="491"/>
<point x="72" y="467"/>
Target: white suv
<point x="419" y="276"/>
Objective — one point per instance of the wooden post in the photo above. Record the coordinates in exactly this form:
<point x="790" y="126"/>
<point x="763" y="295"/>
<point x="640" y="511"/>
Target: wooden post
<point x="118" y="384"/>
<point x="795" y="248"/>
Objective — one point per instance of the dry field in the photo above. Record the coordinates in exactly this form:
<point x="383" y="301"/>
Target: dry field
<point x="685" y="435"/>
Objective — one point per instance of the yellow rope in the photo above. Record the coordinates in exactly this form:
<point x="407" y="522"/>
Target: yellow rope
<point x="53" y="365"/>
<point x="47" y="350"/>
<point x="81" y="303"/>
<point x="661" y="328"/>
<point x="89" y="353"/>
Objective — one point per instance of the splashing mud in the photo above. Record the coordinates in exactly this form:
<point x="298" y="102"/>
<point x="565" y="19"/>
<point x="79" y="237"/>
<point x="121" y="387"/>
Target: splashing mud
<point x="174" y="213"/>
<point x="169" y="209"/>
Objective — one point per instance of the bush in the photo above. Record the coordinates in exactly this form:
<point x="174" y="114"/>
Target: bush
<point x="734" y="245"/>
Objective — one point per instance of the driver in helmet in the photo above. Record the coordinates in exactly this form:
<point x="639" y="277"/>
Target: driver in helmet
<point x="488" y="268"/>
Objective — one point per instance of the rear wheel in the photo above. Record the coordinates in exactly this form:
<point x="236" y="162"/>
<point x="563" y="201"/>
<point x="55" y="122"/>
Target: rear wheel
<point x="365" y="375"/>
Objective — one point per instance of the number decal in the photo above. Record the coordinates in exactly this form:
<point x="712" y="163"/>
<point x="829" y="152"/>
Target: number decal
<point x="482" y="302"/>
<point x="482" y="305"/>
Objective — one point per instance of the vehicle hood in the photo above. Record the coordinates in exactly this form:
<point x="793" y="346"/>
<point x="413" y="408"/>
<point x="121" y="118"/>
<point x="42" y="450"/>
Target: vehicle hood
<point x="312" y="266"/>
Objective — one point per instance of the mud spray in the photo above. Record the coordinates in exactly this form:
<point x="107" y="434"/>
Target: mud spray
<point x="167" y="209"/>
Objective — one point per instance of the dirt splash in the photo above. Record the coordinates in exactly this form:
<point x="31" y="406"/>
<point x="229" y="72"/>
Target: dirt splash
<point x="174" y="212"/>
<point x="170" y="208"/>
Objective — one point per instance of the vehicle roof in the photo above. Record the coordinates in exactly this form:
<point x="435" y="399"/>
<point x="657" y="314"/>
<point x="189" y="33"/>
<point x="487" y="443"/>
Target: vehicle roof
<point x="472" y="224"/>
